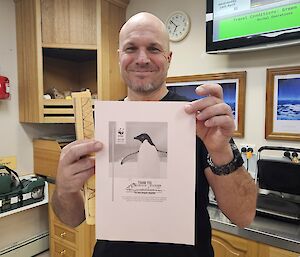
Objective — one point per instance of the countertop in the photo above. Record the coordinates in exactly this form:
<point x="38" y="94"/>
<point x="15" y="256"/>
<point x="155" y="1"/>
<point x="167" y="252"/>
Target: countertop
<point x="266" y="230"/>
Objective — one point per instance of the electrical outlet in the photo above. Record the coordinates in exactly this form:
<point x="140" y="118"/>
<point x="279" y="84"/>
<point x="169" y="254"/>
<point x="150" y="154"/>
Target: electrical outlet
<point x="247" y="146"/>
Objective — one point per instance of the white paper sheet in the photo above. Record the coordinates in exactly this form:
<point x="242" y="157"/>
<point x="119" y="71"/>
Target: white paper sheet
<point x="145" y="191"/>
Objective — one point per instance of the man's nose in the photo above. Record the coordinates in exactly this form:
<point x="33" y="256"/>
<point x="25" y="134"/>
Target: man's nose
<point x="142" y="57"/>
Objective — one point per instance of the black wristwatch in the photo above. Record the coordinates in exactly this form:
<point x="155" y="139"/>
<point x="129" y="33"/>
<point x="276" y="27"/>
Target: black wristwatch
<point x="229" y="167"/>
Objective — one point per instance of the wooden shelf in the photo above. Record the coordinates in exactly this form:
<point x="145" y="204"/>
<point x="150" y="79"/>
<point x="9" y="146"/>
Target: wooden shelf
<point x="69" y="46"/>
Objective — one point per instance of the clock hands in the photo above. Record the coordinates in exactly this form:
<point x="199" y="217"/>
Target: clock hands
<point x="174" y="25"/>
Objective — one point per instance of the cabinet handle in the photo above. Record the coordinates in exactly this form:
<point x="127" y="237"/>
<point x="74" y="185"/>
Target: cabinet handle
<point x="63" y="252"/>
<point x="63" y="234"/>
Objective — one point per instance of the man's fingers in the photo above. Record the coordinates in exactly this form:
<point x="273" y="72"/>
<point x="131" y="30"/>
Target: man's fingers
<point x="223" y="121"/>
<point x="214" y="110"/>
<point x="201" y="104"/>
<point x="77" y="142"/>
<point x="210" y="90"/>
<point x="82" y="177"/>
<point x="83" y="164"/>
<point x="80" y="149"/>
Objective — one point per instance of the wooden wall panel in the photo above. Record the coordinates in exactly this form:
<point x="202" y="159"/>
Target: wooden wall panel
<point x="29" y="61"/>
<point x="69" y="22"/>
<point x="112" y="19"/>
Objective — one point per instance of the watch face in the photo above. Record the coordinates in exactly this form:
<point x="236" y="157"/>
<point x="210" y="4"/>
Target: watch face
<point x="178" y="25"/>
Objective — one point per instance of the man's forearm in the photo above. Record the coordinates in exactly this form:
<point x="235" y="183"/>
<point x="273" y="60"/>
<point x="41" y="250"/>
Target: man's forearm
<point x="236" y="195"/>
<point x="69" y="208"/>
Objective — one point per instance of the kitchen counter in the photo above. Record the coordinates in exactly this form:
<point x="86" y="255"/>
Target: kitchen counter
<point x="266" y="230"/>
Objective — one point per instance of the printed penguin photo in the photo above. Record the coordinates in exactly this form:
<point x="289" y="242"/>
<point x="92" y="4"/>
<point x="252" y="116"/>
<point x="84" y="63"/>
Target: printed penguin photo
<point x="138" y="149"/>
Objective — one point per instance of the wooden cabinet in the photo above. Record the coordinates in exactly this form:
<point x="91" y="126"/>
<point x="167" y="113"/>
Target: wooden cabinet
<point x="227" y="245"/>
<point x="270" y="251"/>
<point x="66" y="46"/>
<point x="67" y="241"/>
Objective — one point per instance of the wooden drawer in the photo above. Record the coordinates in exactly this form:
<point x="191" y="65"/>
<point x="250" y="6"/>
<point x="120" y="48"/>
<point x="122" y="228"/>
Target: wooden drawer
<point x="65" y="234"/>
<point x="59" y="249"/>
<point x="46" y="156"/>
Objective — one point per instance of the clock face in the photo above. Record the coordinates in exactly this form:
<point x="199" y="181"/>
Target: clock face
<point x="178" y="25"/>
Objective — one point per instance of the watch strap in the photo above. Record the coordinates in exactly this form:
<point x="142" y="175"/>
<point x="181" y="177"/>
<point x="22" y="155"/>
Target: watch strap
<point x="230" y="167"/>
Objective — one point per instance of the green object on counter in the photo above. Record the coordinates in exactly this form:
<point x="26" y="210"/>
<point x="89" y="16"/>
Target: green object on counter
<point x="15" y="193"/>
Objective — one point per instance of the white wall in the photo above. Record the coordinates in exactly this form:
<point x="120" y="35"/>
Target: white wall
<point x="189" y="58"/>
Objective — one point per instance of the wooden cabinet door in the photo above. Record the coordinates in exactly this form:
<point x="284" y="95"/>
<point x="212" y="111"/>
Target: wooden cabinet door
<point x="270" y="251"/>
<point x="68" y="22"/>
<point x="226" y="245"/>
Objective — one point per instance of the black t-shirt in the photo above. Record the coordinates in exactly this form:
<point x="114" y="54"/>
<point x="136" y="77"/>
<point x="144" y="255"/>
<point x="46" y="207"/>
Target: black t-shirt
<point x="202" y="247"/>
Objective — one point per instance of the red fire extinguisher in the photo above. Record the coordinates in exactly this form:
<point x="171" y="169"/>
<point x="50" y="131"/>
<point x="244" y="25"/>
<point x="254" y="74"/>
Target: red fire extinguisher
<point x="4" y="88"/>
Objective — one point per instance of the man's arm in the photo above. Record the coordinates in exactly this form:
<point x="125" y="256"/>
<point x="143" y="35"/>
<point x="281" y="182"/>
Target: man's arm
<point x="75" y="167"/>
<point x="236" y="195"/>
<point x="236" y="192"/>
<point x="69" y="208"/>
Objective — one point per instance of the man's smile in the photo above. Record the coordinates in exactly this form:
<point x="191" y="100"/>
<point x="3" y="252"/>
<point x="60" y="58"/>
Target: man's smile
<point x="142" y="73"/>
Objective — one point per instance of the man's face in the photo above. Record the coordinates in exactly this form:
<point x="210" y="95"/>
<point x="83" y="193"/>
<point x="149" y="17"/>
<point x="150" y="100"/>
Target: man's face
<point x="144" y="58"/>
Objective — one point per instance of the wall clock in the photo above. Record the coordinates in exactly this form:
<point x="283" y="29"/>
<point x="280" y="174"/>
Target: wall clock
<point x="178" y="25"/>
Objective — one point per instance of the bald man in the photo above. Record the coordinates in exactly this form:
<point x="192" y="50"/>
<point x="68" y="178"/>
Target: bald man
<point x="145" y="56"/>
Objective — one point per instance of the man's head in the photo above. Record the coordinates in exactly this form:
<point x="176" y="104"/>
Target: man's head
<point x="144" y="53"/>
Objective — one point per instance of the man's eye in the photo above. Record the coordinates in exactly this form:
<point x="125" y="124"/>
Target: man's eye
<point x="129" y="49"/>
<point x="154" y="50"/>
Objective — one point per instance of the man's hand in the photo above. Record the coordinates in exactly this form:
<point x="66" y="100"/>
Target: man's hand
<point x="76" y="165"/>
<point x="215" y="122"/>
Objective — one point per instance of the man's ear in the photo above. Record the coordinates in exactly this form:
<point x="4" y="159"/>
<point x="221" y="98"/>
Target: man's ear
<point x="169" y="57"/>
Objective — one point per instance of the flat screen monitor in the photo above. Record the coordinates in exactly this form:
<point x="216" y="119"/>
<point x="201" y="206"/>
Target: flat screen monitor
<point x="243" y="25"/>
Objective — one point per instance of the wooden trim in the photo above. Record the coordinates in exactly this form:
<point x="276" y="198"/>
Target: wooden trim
<point x="99" y="46"/>
<point x="58" y="111"/>
<point x="54" y="102"/>
<point x="70" y="46"/>
<point x="269" y="126"/>
<point x="56" y="119"/>
<point x="120" y="3"/>
<point x="29" y="61"/>
<point x="39" y="56"/>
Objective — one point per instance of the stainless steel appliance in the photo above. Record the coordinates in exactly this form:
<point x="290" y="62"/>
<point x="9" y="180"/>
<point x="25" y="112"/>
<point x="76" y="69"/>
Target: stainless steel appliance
<point x="279" y="183"/>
